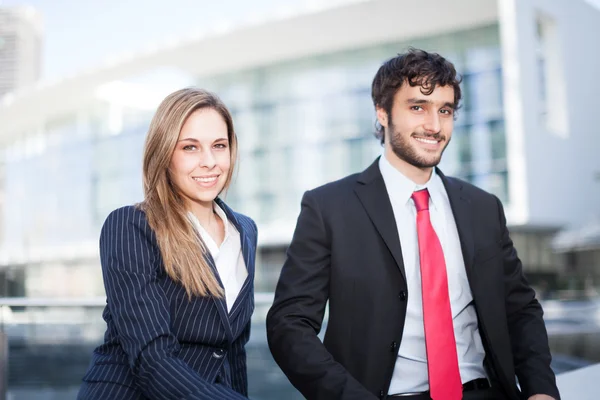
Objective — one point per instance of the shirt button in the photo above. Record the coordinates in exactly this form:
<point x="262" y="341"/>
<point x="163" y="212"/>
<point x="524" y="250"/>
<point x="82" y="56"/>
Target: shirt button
<point x="402" y="295"/>
<point x="381" y="394"/>
<point x="393" y="346"/>
<point x="219" y="353"/>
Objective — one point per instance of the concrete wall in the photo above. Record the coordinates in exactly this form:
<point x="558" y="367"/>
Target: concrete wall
<point x="554" y="141"/>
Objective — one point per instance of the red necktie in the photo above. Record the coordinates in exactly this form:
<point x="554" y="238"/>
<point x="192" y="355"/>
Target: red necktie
<point x="442" y="361"/>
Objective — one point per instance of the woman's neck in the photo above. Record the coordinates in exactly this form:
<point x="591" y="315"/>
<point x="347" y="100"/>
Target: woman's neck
<point x="206" y="214"/>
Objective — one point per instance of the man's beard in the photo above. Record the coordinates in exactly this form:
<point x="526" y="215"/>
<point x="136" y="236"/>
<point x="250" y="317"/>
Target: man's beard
<point x="405" y="150"/>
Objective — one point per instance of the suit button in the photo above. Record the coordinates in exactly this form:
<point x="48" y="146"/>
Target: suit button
<point x="381" y="394"/>
<point x="393" y="347"/>
<point x="219" y="353"/>
<point x="402" y="295"/>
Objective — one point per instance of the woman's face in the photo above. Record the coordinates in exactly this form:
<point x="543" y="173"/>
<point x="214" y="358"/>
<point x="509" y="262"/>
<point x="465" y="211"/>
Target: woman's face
<point x="201" y="161"/>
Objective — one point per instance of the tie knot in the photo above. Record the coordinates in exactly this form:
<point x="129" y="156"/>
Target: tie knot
<point x="421" y="199"/>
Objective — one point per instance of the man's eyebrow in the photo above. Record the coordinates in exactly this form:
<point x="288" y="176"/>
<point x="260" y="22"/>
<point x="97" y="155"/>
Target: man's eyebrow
<point x="418" y="101"/>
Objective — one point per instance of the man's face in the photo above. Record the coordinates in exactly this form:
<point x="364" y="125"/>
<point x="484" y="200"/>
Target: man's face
<point x="419" y="127"/>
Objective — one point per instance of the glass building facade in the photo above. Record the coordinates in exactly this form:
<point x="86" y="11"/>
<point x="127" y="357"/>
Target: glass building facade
<point x="310" y="121"/>
<point x="300" y="124"/>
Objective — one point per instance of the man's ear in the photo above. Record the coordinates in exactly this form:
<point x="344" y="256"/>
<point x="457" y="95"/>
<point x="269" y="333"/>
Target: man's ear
<point x="382" y="117"/>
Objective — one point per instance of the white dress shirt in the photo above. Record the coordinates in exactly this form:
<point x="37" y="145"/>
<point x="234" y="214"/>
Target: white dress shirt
<point x="410" y="372"/>
<point x="228" y="257"/>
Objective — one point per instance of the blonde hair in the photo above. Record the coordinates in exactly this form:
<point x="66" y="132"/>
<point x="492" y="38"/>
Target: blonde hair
<point x="165" y="209"/>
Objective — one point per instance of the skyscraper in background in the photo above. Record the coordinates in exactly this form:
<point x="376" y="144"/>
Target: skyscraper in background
<point x="20" y="47"/>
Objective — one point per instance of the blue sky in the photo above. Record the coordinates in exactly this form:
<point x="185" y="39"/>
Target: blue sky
<point x="82" y="33"/>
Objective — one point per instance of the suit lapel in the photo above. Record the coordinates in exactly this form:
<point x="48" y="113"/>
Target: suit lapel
<point x="220" y="303"/>
<point x="373" y="195"/>
<point x="461" y="209"/>
<point x="248" y="252"/>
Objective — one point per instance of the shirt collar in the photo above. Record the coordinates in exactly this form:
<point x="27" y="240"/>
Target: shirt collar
<point x="400" y="188"/>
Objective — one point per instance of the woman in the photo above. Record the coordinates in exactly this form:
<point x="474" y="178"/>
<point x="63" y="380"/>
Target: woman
<point x="178" y="268"/>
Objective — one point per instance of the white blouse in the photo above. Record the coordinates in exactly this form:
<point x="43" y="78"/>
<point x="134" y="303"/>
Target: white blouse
<point x="228" y="257"/>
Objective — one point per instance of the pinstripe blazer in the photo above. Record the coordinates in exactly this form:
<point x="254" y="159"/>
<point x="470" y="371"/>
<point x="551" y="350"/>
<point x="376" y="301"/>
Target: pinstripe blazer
<point x="158" y="344"/>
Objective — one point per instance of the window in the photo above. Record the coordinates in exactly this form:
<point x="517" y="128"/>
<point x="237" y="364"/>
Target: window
<point x="550" y="70"/>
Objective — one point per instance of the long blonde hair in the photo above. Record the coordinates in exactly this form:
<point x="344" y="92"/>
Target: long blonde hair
<point x="165" y="209"/>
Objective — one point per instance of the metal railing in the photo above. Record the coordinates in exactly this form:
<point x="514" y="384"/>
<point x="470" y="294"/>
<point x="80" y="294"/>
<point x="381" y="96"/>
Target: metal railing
<point x="56" y="326"/>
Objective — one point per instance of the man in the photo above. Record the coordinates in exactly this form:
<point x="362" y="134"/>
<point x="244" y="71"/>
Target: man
<point x="427" y="299"/>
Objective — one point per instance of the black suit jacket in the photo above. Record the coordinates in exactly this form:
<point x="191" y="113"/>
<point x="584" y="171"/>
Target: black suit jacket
<point x="158" y="344"/>
<point x="346" y="251"/>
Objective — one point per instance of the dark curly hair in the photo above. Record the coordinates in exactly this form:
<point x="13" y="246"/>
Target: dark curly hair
<point x="418" y="68"/>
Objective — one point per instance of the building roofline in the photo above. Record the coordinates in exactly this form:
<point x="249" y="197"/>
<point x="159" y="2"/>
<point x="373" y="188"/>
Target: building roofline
<point x="281" y="39"/>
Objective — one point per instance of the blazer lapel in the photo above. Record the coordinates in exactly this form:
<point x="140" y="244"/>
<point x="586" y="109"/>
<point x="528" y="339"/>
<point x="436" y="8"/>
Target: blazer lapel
<point x="461" y="209"/>
<point x="220" y="303"/>
<point x="248" y="252"/>
<point x="373" y="195"/>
